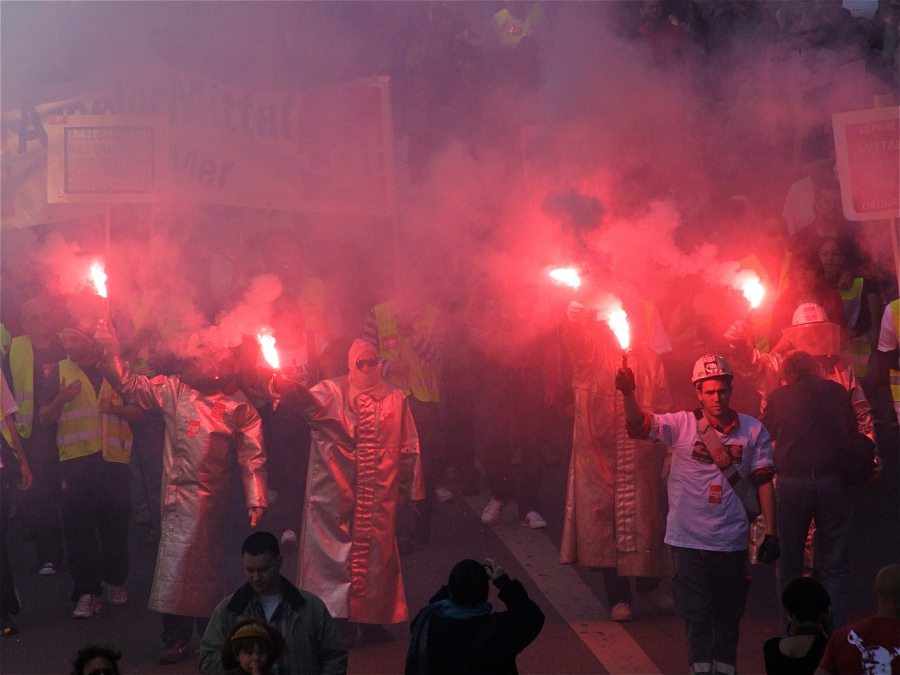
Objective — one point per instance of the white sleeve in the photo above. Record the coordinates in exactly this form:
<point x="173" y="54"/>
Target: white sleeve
<point x="8" y="403"/>
<point x="887" y="339"/>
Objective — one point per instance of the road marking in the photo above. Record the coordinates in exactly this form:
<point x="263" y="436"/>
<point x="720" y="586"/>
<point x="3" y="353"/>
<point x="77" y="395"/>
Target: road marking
<point x="613" y="646"/>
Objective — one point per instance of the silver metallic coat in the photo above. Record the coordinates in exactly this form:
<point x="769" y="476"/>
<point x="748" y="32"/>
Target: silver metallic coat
<point x="614" y="508"/>
<point x="204" y="436"/>
<point x="360" y="463"/>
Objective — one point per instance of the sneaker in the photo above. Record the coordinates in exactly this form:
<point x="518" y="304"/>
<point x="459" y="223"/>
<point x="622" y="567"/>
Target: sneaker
<point x="173" y="653"/>
<point x="621" y="612"/>
<point x="660" y="600"/>
<point x="116" y="595"/>
<point x="443" y="495"/>
<point x="88" y="605"/>
<point x="533" y="520"/>
<point x="289" y="539"/>
<point x="491" y="513"/>
<point x="49" y="569"/>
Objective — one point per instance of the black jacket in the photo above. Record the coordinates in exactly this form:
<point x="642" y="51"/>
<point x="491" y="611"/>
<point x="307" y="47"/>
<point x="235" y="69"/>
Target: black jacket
<point x="514" y="630"/>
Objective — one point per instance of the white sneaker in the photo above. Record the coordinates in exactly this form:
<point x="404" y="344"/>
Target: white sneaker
<point x="88" y="605"/>
<point x="443" y="495"/>
<point x="533" y="520"/>
<point x="289" y="539"/>
<point x="116" y="595"/>
<point x="491" y="513"/>
<point x="621" y="612"/>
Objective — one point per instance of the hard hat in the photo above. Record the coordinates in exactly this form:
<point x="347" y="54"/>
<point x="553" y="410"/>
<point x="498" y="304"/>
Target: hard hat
<point x="709" y="367"/>
<point x="809" y="312"/>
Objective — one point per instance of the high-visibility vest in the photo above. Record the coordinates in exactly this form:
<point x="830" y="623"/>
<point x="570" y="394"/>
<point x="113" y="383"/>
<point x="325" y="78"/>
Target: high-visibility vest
<point x="895" y="374"/>
<point x="80" y="431"/>
<point x="21" y="364"/>
<point x="5" y="339"/>
<point x="423" y="380"/>
<point x="858" y="349"/>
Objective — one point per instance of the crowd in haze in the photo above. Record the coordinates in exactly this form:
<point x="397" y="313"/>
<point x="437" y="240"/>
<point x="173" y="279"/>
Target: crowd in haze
<point x="464" y="318"/>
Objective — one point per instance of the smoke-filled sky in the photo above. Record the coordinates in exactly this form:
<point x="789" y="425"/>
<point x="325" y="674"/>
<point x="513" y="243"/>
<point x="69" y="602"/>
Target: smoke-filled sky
<point x="581" y="149"/>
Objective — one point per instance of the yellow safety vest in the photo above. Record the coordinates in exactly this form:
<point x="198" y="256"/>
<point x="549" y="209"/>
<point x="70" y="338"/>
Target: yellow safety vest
<point x="858" y="349"/>
<point x="895" y="374"/>
<point x="80" y="431"/>
<point x="423" y="380"/>
<point x="21" y="363"/>
<point x="5" y="339"/>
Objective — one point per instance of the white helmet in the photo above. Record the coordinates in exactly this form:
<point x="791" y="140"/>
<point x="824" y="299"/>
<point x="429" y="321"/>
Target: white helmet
<point x="711" y="366"/>
<point x="809" y="312"/>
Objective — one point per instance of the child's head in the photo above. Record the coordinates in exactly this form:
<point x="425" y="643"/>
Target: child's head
<point x="252" y="642"/>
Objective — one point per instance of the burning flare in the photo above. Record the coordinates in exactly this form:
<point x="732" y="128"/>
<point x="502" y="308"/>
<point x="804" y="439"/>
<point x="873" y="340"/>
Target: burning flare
<point x="567" y="276"/>
<point x="98" y="278"/>
<point x="754" y="292"/>
<point x="618" y="322"/>
<point x="267" y="344"/>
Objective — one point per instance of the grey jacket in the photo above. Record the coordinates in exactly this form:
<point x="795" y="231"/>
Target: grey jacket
<point x="312" y="637"/>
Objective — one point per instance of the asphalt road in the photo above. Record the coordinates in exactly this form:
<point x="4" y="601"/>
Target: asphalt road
<point x="49" y="637"/>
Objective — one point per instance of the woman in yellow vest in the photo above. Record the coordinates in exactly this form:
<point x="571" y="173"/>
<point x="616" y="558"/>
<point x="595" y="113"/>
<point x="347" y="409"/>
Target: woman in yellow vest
<point x="94" y="443"/>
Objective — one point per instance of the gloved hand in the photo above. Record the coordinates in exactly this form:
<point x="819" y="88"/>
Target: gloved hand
<point x="625" y="381"/>
<point x="769" y="550"/>
<point x="575" y="311"/>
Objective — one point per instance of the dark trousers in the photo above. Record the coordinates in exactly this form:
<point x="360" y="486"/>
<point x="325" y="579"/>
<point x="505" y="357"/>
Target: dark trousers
<point x="96" y="507"/>
<point x="9" y="603"/>
<point x="39" y="505"/>
<point x="460" y="383"/>
<point x="414" y="520"/>
<point x="511" y="408"/>
<point x="618" y="589"/>
<point x="710" y="589"/>
<point x="181" y="628"/>
<point x="826" y="498"/>
<point x="146" y="463"/>
<point x="287" y="451"/>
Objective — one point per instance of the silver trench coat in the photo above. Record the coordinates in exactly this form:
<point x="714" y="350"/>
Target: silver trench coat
<point x="359" y="464"/>
<point x="615" y="506"/>
<point x="204" y="436"/>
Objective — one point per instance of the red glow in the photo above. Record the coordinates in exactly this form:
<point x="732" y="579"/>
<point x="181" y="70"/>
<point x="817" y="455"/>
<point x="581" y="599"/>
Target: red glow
<point x="98" y="278"/>
<point x="754" y="292"/>
<point x="567" y="276"/>
<point x="618" y="322"/>
<point x="267" y="343"/>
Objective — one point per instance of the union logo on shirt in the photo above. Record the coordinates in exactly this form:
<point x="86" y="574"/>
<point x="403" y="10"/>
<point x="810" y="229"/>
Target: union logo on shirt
<point x="390" y="341"/>
<point x="701" y="454"/>
<point x="193" y="428"/>
<point x="218" y="409"/>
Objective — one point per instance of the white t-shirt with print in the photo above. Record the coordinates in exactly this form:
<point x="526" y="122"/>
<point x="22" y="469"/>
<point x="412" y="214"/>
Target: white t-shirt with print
<point x="704" y="511"/>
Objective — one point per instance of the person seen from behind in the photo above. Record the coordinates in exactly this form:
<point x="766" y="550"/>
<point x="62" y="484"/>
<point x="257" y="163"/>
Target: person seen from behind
<point x="808" y="607"/>
<point x="873" y="645"/>
<point x="94" y="660"/>
<point x="458" y="633"/>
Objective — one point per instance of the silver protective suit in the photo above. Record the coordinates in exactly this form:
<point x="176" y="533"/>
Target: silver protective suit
<point x="204" y="436"/>
<point x="614" y="515"/>
<point x="361" y="462"/>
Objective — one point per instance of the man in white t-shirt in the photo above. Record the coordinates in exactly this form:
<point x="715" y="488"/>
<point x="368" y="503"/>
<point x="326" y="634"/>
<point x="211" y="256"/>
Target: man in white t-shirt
<point x="707" y="525"/>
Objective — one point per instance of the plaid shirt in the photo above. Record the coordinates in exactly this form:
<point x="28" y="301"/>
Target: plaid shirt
<point x="278" y="622"/>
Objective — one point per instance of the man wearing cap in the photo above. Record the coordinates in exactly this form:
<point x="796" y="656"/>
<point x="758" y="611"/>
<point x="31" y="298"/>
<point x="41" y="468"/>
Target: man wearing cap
<point x="94" y="443"/>
<point x="718" y="458"/>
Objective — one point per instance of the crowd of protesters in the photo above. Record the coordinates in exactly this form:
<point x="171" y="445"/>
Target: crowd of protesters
<point x="499" y="380"/>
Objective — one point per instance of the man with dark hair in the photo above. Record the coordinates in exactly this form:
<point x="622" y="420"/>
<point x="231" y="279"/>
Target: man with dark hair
<point x="314" y="644"/>
<point x="457" y="633"/>
<point x="718" y="456"/>
<point x="808" y="419"/>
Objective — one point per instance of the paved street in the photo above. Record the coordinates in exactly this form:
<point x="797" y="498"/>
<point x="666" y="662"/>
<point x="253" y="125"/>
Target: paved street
<point x="577" y="637"/>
